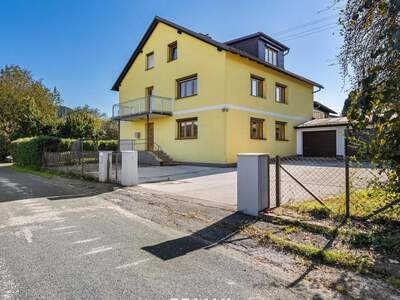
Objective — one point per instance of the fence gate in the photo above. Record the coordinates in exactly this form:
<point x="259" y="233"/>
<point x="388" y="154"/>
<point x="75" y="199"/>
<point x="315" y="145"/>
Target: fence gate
<point x="114" y="167"/>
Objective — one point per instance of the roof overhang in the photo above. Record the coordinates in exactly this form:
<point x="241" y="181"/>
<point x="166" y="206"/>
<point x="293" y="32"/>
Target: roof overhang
<point x="206" y="39"/>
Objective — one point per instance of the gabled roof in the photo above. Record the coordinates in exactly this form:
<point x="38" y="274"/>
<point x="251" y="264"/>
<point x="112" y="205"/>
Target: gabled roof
<point x="324" y="108"/>
<point x="220" y="46"/>
<point x="259" y="35"/>
<point x="326" y="122"/>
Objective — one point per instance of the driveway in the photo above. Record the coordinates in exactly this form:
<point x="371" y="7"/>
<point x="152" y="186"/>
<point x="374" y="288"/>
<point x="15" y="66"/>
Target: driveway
<point x="322" y="177"/>
<point x="216" y="186"/>
<point x="59" y="239"/>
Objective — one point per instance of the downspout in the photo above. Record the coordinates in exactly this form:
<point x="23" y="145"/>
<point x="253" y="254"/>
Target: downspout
<point x="119" y="135"/>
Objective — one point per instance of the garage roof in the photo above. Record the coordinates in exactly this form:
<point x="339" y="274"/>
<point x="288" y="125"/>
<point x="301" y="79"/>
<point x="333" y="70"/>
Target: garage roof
<point x="326" y="122"/>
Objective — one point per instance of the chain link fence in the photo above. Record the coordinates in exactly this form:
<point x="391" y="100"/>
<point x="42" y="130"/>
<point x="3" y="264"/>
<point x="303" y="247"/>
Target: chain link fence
<point x="299" y="179"/>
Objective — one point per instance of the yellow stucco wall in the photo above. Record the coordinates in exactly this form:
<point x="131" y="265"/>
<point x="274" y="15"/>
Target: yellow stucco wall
<point x="194" y="57"/>
<point x="223" y="80"/>
<point x="297" y="110"/>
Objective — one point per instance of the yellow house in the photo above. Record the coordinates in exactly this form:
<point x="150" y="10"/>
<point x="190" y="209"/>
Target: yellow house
<point x="202" y="101"/>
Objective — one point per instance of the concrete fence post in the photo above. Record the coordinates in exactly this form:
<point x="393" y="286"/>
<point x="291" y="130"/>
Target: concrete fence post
<point x="103" y="165"/>
<point x="252" y="182"/>
<point x="129" y="168"/>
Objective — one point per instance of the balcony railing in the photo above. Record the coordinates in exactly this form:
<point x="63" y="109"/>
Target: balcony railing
<point x="153" y="105"/>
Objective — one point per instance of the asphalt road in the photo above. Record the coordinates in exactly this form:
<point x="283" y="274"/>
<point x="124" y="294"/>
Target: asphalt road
<point x="63" y="241"/>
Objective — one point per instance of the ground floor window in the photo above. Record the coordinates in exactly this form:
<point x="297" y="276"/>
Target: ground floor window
<point x="280" y="131"/>
<point x="187" y="128"/>
<point x="256" y="128"/>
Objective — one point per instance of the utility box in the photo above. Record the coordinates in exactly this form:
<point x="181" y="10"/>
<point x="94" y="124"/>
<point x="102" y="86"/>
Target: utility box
<point x="252" y="182"/>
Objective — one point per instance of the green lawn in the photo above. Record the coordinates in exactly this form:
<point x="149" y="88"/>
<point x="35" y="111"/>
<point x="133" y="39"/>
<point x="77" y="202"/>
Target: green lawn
<point x="371" y="205"/>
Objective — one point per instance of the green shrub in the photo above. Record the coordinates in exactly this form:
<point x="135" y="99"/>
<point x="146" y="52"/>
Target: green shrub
<point x="27" y="152"/>
<point x="3" y="147"/>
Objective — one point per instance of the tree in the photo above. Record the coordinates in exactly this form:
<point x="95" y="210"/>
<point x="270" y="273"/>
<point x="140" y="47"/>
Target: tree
<point x="81" y="122"/>
<point x="108" y="130"/>
<point x="27" y="107"/>
<point x="370" y="59"/>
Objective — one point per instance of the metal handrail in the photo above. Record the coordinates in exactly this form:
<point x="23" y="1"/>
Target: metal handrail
<point x="142" y="105"/>
<point x="144" y="142"/>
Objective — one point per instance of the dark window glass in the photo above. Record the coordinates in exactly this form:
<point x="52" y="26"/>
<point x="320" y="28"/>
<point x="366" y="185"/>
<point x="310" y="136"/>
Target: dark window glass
<point x="187" y="87"/>
<point x="280" y="128"/>
<point x="187" y="128"/>
<point x="256" y="128"/>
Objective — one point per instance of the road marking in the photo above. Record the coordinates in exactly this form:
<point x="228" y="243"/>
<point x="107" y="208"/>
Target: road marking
<point x="63" y="228"/>
<point x="132" y="264"/>
<point x="86" y="241"/>
<point x="60" y="221"/>
<point x="98" y="250"/>
<point x="68" y="232"/>
<point x="25" y="232"/>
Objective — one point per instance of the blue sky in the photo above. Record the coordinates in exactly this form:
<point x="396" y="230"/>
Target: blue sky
<point x="80" y="46"/>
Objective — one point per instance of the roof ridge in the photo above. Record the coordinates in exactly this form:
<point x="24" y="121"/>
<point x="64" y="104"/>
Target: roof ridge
<point x="220" y="46"/>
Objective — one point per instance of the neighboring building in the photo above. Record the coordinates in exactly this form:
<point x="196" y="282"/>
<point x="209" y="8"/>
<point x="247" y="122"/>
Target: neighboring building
<point x="321" y="111"/>
<point x="204" y="101"/>
<point x="322" y="137"/>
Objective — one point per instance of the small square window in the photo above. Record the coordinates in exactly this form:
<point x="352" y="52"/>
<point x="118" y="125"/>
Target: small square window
<point x="256" y="86"/>
<point x="280" y="93"/>
<point x="150" y="60"/>
<point x="256" y="128"/>
<point x="173" y="51"/>
<point x="280" y="131"/>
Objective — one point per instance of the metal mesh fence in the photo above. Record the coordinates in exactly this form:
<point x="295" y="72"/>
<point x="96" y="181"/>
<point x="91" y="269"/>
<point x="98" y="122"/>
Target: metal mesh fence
<point x="319" y="179"/>
<point x="78" y="163"/>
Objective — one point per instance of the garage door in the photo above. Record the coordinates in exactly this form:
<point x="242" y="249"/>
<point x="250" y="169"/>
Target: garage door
<point x="319" y="143"/>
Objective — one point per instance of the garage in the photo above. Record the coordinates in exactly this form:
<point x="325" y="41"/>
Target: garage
<point x="321" y="137"/>
<point x="319" y="143"/>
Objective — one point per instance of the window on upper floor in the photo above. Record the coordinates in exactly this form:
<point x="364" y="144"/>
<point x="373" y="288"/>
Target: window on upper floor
<point x="256" y="128"/>
<point x="280" y="93"/>
<point x="280" y="131"/>
<point x="271" y="56"/>
<point x="256" y="86"/>
<point x="149" y="60"/>
<point x="172" y="51"/>
<point x="187" y="87"/>
<point x="187" y="128"/>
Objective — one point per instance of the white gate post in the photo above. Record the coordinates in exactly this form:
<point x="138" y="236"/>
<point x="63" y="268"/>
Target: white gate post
<point x="252" y="182"/>
<point x="103" y="164"/>
<point x="129" y="168"/>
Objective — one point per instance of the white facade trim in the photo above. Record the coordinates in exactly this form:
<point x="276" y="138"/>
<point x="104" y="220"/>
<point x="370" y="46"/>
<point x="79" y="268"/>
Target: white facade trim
<point x="240" y="108"/>
<point x="339" y="138"/>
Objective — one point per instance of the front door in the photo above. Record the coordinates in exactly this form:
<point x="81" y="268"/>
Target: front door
<point x="150" y="136"/>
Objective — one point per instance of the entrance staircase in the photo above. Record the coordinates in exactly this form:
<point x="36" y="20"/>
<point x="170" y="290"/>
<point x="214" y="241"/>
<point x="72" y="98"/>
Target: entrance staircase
<point x="164" y="158"/>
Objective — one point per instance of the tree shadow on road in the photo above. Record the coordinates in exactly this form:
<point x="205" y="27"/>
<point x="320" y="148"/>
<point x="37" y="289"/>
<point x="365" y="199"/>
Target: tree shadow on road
<point x="218" y="233"/>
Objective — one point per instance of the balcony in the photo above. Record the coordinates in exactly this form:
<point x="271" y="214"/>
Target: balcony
<point x="135" y="109"/>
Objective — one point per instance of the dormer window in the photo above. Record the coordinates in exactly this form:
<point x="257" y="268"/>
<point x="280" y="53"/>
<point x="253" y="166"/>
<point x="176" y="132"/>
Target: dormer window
<point x="271" y="56"/>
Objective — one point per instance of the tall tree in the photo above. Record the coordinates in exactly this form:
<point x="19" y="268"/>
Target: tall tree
<point x="27" y="107"/>
<point x="370" y="59"/>
<point x="81" y="122"/>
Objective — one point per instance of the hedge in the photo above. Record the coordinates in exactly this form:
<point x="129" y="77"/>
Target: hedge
<point x="27" y="152"/>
